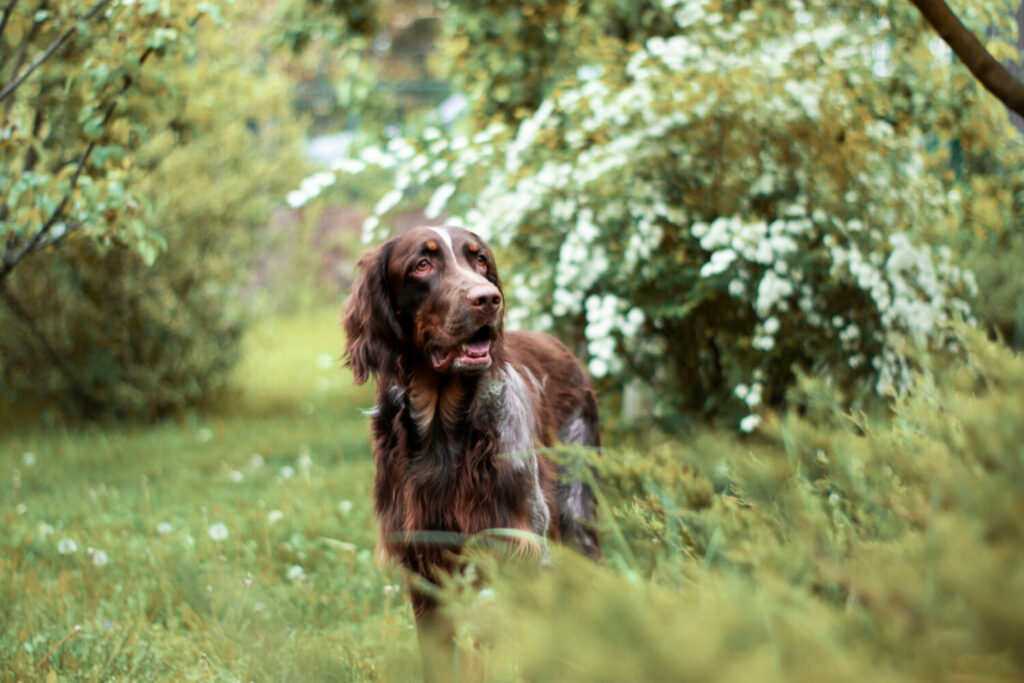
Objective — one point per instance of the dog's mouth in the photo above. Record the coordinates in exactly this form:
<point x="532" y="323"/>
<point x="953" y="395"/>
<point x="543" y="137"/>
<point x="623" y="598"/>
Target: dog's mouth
<point x="471" y="355"/>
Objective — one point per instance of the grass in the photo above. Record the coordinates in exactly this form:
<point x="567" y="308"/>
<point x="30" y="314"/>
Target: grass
<point x="291" y="593"/>
<point x="237" y="545"/>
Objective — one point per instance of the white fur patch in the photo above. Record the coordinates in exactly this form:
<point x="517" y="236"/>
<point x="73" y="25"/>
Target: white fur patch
<point x="574" y="429"/>
<point x="517" y="436"/>
<point x="443" y="234"/>
<point x="474" y="275"/>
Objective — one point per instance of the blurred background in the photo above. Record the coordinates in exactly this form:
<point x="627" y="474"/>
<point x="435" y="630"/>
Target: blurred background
<point x="785" y="238"/>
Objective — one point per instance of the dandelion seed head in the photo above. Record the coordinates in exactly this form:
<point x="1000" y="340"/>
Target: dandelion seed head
<point x="218" y="531"/>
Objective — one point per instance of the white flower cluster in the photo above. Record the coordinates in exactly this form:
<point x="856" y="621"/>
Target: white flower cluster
<point x="613" y="193"/>
<point x="605" y="315"/>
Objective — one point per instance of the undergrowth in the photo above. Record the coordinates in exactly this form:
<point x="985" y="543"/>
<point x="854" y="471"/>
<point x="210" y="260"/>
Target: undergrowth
<point x="237" y="545"/>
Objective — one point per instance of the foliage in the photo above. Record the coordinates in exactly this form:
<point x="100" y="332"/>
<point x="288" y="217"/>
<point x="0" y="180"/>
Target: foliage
<point x="81" y="93"/>
<point x="144" y="590"/>
<point x="108" y="335"/>
<point x="838" y="549"/>
<point x="831" y="547"/>
<point x="725" y="196"/>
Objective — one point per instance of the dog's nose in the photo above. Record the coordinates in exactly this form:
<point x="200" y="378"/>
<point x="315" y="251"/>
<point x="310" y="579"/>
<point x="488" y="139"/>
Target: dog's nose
<point x="484" y="297"/>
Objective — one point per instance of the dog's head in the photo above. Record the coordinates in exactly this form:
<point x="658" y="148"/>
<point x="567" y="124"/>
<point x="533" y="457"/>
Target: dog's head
<point x="428" y="298"/>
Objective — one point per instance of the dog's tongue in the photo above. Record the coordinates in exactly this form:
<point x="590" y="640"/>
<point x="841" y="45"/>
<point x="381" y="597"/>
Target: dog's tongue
<point x="478" y="348"/>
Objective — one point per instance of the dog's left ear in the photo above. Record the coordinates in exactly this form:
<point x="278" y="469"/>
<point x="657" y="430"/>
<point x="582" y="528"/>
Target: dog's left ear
<point x="372" y="331"/>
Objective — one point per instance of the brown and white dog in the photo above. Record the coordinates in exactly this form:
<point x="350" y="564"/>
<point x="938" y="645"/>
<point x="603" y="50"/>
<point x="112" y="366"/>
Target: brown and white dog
<point x="463" y="406"/>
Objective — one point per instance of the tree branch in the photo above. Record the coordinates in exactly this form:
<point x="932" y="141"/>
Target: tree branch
<point x="48" y="52"/>
<point x="990" y="73"/>
<point x="7" y="15"/>
<point x="10" y="260"/>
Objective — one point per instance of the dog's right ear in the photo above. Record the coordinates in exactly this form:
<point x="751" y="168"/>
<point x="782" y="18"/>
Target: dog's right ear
<point x="372" y="332"/>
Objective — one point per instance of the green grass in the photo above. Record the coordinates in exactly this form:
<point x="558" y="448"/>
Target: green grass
<point x="829" y="547"/>
<point x="285" y="468"/>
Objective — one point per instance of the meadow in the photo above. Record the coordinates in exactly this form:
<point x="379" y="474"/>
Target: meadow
<point x="236" y="543"/>
<point x="233" y="545"/>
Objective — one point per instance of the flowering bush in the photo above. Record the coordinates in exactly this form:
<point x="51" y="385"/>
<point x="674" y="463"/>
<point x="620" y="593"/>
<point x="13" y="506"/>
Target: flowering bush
<point x="725" y="205"/>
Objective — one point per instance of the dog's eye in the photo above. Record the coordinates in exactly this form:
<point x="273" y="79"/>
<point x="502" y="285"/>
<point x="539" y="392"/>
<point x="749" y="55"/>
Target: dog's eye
<point x="481" y="261"/>
<point x="423" y="266"/>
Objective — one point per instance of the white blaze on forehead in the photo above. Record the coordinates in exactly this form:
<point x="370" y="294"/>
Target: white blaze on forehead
<point x="443" y="234"/>
<point x="447" y="240"/>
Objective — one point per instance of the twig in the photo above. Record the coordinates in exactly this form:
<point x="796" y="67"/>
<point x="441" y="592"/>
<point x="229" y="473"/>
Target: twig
<point x="60" y="642"/>
<point x="48" y="52"/>
<point x="7" y="15"/>
<point x="26" y="40"/>
<point x="11" y="260"/>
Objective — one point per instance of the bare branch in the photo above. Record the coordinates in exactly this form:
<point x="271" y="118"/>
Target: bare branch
<point x="990" y="73"/>
<point x="48" y="52"/>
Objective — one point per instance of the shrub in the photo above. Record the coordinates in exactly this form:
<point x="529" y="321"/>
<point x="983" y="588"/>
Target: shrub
<point x="127" y="339"/>
<point x="835" y="548"/>
<point x="743" y="199"/>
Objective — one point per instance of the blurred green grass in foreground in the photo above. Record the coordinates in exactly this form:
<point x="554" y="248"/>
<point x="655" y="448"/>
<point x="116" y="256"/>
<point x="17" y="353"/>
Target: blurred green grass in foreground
<point x="238" y="546"/>
<point x="282" y="473"/>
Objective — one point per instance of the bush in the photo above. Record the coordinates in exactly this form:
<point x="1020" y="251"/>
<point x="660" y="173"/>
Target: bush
<point x="835" y="548"/>
<point x="130" y="340"/>
<point x="745" y="199"/>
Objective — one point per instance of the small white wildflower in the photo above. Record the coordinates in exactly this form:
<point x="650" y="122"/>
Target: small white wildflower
<point x="45" y="530"/>
<point x="66" y="546"/>
<point x="750" y="423"/>
<point x="771" y="325"/>
<point x="296" y="573"/>
<point x="345" y="507"/>
<point x="256" y="461"/>
<point x="28" y="459"/>
<point x="486" y="595"/>
<point x="100" y="558"/>
<point x="205" y="434"/>
<point x="164" y="528"/>
<point x="236" y="476"/>
<point x="218" y="531"/>
<point x="304" y="462"/>
<point x="274" y="516"/>
<point x="21" y="509"/>
<point x="286" y="472"/>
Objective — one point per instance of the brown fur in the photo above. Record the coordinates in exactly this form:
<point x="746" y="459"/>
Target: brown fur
<point x="443" y="416"/>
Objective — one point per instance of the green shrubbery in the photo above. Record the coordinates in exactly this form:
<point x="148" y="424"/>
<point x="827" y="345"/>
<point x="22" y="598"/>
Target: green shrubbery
<point x="709" y="199"/>
<point x="111" y="335"/>
<point x="837" y="548"/>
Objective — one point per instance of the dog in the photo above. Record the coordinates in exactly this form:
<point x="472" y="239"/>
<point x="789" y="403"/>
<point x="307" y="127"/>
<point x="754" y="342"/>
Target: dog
<point x="463" y="408"/>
